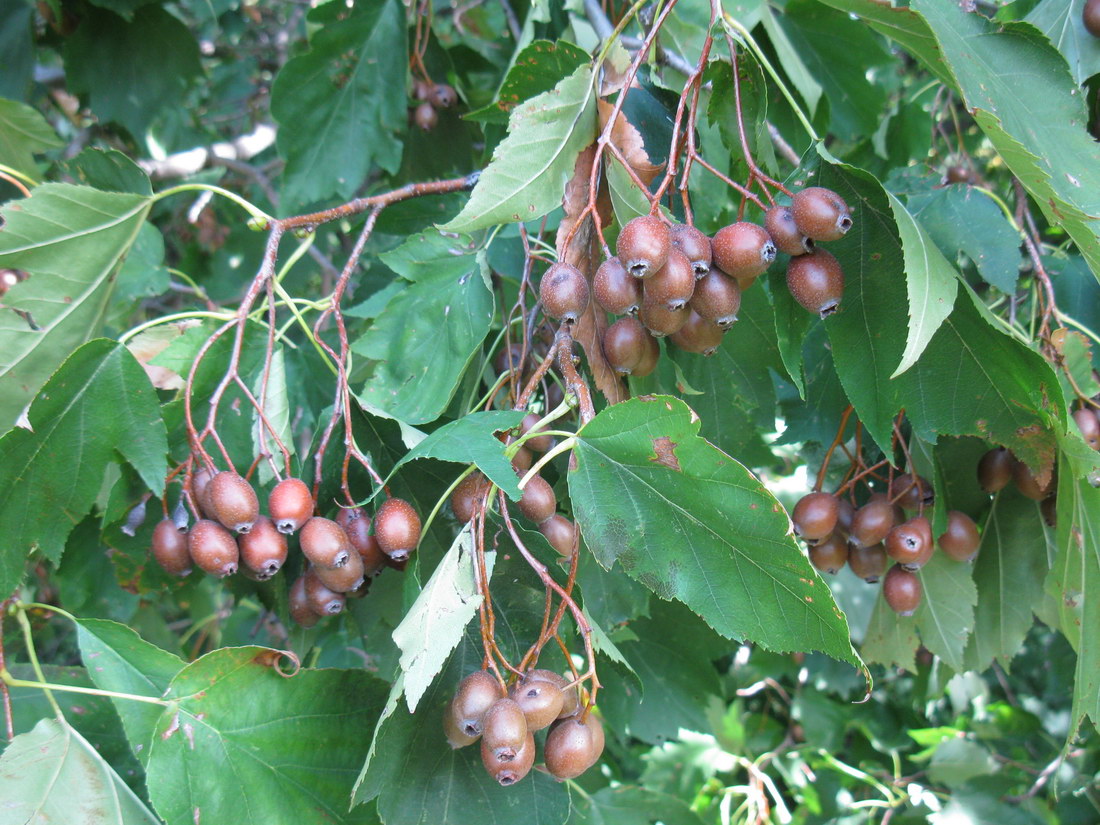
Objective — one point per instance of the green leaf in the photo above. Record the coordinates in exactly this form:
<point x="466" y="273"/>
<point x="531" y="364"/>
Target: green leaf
<point x="276" y="404"/>
<point x="23" y="134"/>
<point x="958" y="760"/>
<point x="1009" y="574"/>
<point x="945" y="618"/>
<point x="429" y="332"/>
<point x="530" y="167"/>
<point x="435" y="623"/>
<point x="70" y="239"/>
<point x="890" y="639"/>
<point x="964" y="219"/>
<point x="53" y="774"/>
<point x="131" y="69"/>
<point x="107" y="170"/>
<point x="471" y="440"/>
<point x="692" y="524"/>
<point x="287" y="748"/>
<point x="790" y="58"/>
<point x="792" y="326"/>
<point x="627" y="805"/>
<point x="1062" y="23"/>
<point x="932" y="285"/>
<point x="118" y="659"/>
<point x="17" y="44"/>
<point x="975" y="380"/>
<point x="536" y="69"/>
<point x="97" y="407"/>
<point x="340" y="107"/>
<point x="1075" y="580"/>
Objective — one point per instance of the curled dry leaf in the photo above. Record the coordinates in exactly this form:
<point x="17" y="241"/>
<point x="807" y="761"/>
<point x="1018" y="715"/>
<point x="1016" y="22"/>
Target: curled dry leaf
<point x="149" y="344"/>
<point x="628" y="141"/>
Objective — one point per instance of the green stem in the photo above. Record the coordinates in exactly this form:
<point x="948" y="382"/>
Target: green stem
<point x="246" y="205"/>
<point x="15" y="173"/>
<point x="168" y="319"/>
<point x="564" y="447"/>
<point x="28" y="640"/>
<point x="11" y="681"/>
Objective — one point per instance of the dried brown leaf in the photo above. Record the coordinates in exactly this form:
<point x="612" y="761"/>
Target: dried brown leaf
<point x="628" y="140"/>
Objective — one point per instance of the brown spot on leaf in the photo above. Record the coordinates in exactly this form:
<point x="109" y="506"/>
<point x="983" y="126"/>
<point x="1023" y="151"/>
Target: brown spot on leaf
<point x="172" y="728"/>
<point x="664" y="449"/>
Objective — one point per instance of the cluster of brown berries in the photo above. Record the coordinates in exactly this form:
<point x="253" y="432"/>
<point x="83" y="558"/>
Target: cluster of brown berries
<point x="341" y="554"/>
<point x="869" y="537"/>
<point x="430" y="97"/>
<point x="506" y="721"/>
<point x="538" y="502"/>
<point x="999" y="467"/>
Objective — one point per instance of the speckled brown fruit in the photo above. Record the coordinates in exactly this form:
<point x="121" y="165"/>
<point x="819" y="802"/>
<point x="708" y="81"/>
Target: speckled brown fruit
<point x="660" y="320"/>
<point x="995" y="469"/>
<point x="509" y="359"/>
<point x="650" y="357"/>
<point x="830" y="554"/>
<point x="717" y="298"/>
<point x="821" y="214"/>
<point x="616" y="290"/>
<point x="425" y="117"/>
<point x="695" y="245"/>
<point x="325" y="543"/>
<point x="538" y="501"/>
<point x="322" y="600"/>
<point x="538" y="443"/>
<point x="233" y="501"/>
<point x="873" y="521"/>
<point x="512" y="771"/>
<point x="355" y="523"/>
<point x="743" y="250"/>
<point x="443" y="96"/>
<point x="779" y="222"/>
<point x="868" y="563"/>
<point x="522" y="460"/>
<point x="845" y="512"/>
<point x="573" y="746"/>
<point x="816" y="281"/>
<point x="625" y="345"/>
<point x="1090" y="16"/>
<point x="290" y="504"/>
<point x="476" y="693"/>
<point x="503" y="729"/>
<point x="263" y="548"/>
<point x="541" y="701"/>
<point x="1028" y="484"/>
<point x="397" y="528"/>
<point x="1089" y="425"/>
<point x="571" y="703"/>
<point x="911" y="492"/>
<point x="300" y="610"/>
<point x="698" y="335"/>
<point x="467" y="496"/>
<point x="200" y="484"/>
<point x="213" y="548"/>
<point x="643" y="245"/>
<point x="672" y="284"/>
<point x="560" y="532"/>
<point x="815" y="515"/>
<point x="170" y="548"/>
<point x="910" y="544"/>
<point x="343" y="579"/>
<point x="902" y="590"/>
<point x="564" y="292"/>
<point x="961" y="539"/>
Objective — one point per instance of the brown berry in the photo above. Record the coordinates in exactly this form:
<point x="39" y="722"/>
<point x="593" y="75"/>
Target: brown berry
<point x="170" y="548"/>
<point x="200" y="484"/>
<point x="830" y="555"/>
<point x="442" y="96"/>
<point x="1089" y="425"/>
<point x="995" y="469"/>
<point x="475" y="695"/>
<point x="233" y="501"/>
<point x="902" y="590"/>
<point x="873" y="521"/>
<point x="263" y="548"/>
<point x="698" y="335"/>
<point x="509" y="359"/>
<point x="717" y="298"/>
<point x="564" y="293"/>
<point x="910" y="544"/>
<point x="560" y="532"/>
<point x="503" y="730"/>
<point x="816" y="281"/>
<point x="538" y="443"/>
<point x="1090" y="16"/>
<point x="672" y="284"/>
<point x="643" y="245"/>
<point x="290" y="504"/>
<point x="625" y="345"/>
<point x="573" y="746"/>
<point x="1028" y="484"/>
<point x="650" y="357"/>
<point x="467" y="496"/>
<point x="616" y="290"/>
<point x="1048" y="509"/>
<point x="779" y="221"/>
<point x="538" y="501"/>
<point x="213" y="548"/>
<point x="912" y="492"/>
<point x="397" y="528"/>
<point x="815" y="515"/>
<point x="695" y="245"/>
<point x="821" y="214"/>
<point x="343" y="579"/>
<point x="355" y="523"/>
<point x="660" y="320"/>
<point x="424" y="117"/>
<point x="960" y="540"/>
<point x="325" y="543"/>
<point x="511" y="771"/>
<point x="322" y="600"/>
<point x="300" y="610"/>
<point x="845" y="512"/>
<point x="541" y="701"/>
<point x="522" y="460"/>
<point x="868" y="563"/>
<point x="743" y="250"/>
